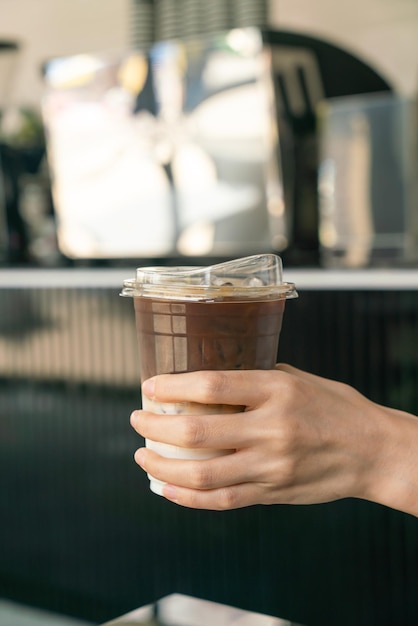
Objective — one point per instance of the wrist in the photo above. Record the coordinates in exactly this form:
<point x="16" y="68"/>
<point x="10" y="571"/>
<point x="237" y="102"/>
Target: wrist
<point x="393" y="477"/>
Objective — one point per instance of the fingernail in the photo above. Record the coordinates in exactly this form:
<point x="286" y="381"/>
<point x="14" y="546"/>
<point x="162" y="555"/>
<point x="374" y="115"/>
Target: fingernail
<point x="134" y="417"/>
<point x="170" y="492"/>
<point x="140" y="457"/>
<point x="148" y="387"/>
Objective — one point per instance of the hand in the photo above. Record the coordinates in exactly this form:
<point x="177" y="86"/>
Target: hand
<point x="301" y="439"/>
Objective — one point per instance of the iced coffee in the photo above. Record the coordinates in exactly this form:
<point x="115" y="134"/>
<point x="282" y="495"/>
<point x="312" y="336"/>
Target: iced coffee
<point x="226" y="316"/>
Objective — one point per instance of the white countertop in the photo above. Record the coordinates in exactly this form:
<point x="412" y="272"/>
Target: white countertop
<point x="305" y="279"/>
<point x="181" y="610"/>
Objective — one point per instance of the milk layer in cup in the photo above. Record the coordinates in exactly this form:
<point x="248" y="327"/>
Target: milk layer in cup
<point x="177" y="452"/>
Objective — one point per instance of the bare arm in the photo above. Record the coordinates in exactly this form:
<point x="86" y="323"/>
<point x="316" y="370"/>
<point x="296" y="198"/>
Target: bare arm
<point x="301" y="439"/>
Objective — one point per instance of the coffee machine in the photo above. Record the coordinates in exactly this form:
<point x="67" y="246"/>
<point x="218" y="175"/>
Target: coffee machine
<point x="196" y="147"/>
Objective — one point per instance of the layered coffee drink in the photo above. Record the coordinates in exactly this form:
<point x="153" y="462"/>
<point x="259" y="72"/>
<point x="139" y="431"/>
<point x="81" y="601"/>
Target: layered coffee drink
<point x="224" y="317"/>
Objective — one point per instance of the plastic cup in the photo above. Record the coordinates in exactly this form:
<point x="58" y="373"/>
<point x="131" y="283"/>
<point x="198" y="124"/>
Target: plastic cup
<point x="222" y="317"/>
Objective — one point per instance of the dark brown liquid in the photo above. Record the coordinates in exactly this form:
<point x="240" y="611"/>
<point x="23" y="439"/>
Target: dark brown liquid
<point x="179" y="336"/>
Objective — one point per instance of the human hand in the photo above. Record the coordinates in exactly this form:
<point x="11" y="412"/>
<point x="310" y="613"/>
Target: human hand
<point x="301" y="439"/>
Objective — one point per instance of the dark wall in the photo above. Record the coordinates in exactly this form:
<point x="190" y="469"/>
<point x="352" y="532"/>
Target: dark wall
<point x="82" y="534"/>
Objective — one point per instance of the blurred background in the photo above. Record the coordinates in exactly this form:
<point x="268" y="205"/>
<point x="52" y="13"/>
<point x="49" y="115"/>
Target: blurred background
<point x="138" y="132"/>
<point x="251" y="123"/>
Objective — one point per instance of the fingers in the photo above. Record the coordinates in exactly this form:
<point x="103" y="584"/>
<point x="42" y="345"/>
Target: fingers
<point x="212" y="473"/>
<point x="293" y="443"/>
<point x="248" y="388"/>
<point x="223" y="499"/>
<point x="235" y="430"/>
<point x="243" y="387"/>
<point x="216" y="484"/>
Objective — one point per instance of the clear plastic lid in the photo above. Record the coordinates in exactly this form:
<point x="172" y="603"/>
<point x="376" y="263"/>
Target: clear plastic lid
<point x="257" y="277"/>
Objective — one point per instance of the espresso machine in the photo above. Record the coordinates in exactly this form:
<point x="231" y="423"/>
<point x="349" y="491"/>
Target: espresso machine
<point x="201" y="146"/>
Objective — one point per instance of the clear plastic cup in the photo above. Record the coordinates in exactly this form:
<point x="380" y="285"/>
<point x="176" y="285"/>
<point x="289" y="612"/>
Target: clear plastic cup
<point x="226" y="316"/>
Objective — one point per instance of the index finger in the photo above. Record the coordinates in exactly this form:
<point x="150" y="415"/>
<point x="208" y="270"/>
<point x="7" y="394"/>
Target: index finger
<point x="235" y="387"/>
